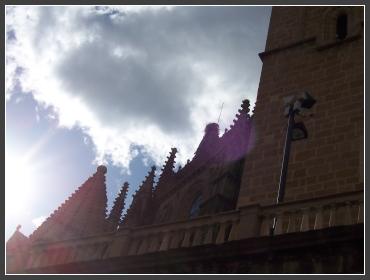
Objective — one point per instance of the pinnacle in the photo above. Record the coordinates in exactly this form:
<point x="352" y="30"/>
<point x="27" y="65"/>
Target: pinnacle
<point x="82" y="214"/>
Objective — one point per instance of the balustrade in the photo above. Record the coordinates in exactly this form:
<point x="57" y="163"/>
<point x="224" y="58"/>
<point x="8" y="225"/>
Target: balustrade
<point x="135" y="246"/>
<point x="209" y="236"/>
<point x="313" y="217"/>
<point x="292" y="218"/>
<point x="91" y="250"/>
<point x="319" y="217"/>
<point x="175" y="241"/>
<point x="101" y="251"/>
<point x="198" y="237"/>
<point x="64" y="255"/>
<point x="63" y="252"/>
<point x="165" y="242"/>
<point x="82" y="251"/>
<point x="311" y="214"/>
<point x="234" y="229"/>
<point x="31" y="259"/>
<point x="144" y="245"/>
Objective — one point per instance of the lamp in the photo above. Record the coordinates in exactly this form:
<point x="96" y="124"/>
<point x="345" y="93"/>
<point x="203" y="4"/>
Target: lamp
<point x="306" y="100"/>
<point x="299" y="131"/>
<point x="295" y="131"/>
<point x="289" y="100"/>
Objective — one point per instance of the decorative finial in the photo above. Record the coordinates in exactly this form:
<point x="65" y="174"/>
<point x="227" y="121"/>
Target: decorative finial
<point x="18" y="227"/>
<point x="102" y="169"/>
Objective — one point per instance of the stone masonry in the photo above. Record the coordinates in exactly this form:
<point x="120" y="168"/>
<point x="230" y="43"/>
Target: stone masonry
<point x="302" y="54"/>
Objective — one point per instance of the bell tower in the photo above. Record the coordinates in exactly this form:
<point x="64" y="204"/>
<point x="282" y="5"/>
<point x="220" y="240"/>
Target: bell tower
<point x="319" y="50"/>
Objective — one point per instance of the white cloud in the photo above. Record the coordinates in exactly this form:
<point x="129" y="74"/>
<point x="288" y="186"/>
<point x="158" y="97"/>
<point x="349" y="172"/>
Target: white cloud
<point x="137" y="78"/>
<point x="38" y="221"/>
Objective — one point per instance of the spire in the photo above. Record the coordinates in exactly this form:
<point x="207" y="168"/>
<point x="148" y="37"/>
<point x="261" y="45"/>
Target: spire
<point x="244" y="112"/>
<point x="148" y="183"/>
<point x="167" y="170"/>
<point x="17" y="238"/>
<point x="237" y="138"/>
<point x="242" y="119"/>
<point x="211" y="133"/>
<point x="82" y="214"/>
<point x="119" y="204"/>
<point x="140" y="201"/>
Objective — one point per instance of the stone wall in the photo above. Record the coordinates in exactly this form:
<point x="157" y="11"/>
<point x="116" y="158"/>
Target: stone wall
<point x="330" y="160"/>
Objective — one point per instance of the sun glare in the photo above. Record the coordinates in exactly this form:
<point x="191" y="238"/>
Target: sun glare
<point x="18" y="185"/>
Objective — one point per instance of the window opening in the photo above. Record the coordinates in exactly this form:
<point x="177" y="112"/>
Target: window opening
<point x="341" y="27"/>
<point x="194" y="210"/>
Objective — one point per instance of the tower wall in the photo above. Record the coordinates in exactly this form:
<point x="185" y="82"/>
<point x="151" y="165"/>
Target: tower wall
<point x="302" y="53"/>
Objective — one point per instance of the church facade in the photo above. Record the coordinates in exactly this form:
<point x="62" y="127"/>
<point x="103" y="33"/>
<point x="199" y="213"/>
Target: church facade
<point x="219" y="213"/>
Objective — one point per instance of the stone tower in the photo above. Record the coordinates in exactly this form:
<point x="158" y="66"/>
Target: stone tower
<point x="319" y="50"/>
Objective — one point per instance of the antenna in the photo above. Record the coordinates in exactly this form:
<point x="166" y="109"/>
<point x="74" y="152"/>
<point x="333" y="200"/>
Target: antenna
<point x="220" y="113"/>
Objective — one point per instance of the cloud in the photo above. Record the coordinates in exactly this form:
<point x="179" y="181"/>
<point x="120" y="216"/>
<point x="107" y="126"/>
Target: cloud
<point x="137" y="80"/>
<point x="38" y="221"/>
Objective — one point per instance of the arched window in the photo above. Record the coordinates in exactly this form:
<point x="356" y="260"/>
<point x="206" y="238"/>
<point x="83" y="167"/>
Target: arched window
<point x="194" y="209"/>
<point x="339" y="24"/>
<point x="341" y="31"/>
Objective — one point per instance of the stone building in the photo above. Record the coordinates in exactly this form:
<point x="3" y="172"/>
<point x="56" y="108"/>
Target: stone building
<point x="219" y="213"/>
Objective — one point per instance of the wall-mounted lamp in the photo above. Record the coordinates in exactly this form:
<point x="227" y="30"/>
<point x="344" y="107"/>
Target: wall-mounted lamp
<point x="299" y="131"/>
<point x="295" y="131"/>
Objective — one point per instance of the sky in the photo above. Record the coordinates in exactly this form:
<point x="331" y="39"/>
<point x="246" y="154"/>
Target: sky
<point x="117" y="86"/>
